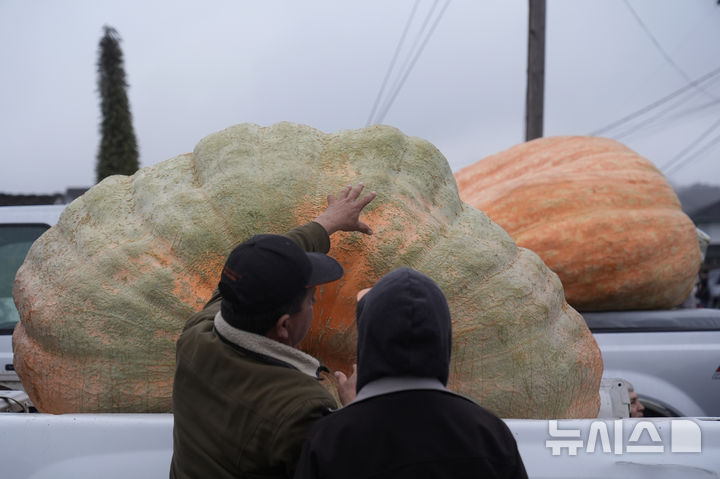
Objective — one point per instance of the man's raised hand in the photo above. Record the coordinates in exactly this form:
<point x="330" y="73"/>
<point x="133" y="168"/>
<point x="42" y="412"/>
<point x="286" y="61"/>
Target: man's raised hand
<point x="343" y="210"/>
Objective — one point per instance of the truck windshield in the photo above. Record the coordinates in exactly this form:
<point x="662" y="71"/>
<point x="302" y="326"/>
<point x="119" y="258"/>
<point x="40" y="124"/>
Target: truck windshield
<point x="15" y="241"/>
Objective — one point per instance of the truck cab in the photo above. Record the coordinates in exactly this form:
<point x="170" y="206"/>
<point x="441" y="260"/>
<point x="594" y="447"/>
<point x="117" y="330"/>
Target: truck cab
<point x="20" y="226"/>
<point x="671" y="357"/>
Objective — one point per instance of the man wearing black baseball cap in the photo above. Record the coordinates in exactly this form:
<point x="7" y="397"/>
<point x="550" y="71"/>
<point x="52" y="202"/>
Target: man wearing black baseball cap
<point x="243" y="396"/>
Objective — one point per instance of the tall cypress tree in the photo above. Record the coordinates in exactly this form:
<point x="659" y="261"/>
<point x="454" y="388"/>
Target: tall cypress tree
<point x="118" y="152"/>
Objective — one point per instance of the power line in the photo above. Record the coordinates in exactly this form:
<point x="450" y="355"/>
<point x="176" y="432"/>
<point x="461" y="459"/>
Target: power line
<point x="713" y="143"/>
<point x="657" y="117"/>
<point x="655" y="104"/>
<point x="414" y="61"/>
<point x="413" y="48"/>
<point x="659" y="47"/>
<point x="694" y="109"/>
<point x="630" y="129"/>
<point x="410" y="62"/>
<point x="673" y="164"/>
<point x="392" y="62"/>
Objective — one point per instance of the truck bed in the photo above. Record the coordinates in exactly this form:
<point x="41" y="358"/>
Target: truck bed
<point x="78" y="446"/>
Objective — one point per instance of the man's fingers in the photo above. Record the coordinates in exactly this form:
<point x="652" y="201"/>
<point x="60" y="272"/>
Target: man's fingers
<point x="342" y="377"/>
<point x="344" y="209"/>
<point x="363" y="228"/>
<point x="355" y="191"/>
<point x="352" y="193"/>
<point x="344" y="193"/>
<point x="367" y="199"/>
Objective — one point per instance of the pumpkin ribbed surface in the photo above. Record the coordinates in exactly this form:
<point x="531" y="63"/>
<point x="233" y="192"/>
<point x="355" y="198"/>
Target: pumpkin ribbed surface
<point x="599" y="215"/>
<point x="104" y="294"/>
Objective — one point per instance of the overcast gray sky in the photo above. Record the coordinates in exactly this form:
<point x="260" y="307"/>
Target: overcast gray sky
<point x="196" y="67"/>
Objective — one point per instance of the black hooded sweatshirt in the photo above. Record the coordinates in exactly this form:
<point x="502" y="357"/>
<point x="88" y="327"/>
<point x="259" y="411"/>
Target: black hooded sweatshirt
<point x="404" y="423"/>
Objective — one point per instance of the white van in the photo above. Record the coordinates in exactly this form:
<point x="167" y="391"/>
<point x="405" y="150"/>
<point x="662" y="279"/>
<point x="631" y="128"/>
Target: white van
<point x="20" y="226"/>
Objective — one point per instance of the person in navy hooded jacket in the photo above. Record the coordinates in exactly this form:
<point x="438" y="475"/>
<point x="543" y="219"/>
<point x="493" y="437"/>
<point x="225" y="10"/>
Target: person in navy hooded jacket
<point x="404" y="422"/>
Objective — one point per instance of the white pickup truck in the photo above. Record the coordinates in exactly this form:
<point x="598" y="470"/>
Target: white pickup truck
<point x="671" y="357"/>
<point x="20" y="226"/>
<point x="139" y="446"/>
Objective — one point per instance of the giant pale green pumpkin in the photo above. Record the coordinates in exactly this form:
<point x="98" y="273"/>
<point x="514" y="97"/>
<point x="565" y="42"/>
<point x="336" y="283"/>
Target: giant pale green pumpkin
<point x="600" y="215"/>
<point x="104" y="294"/>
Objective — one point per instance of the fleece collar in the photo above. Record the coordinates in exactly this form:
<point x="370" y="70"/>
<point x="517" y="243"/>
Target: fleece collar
<point x="390" y="385"/>
<point x="267" y="347"/>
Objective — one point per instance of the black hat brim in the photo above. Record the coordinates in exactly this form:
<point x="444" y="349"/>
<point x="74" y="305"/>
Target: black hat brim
<point x="324" y="269"/>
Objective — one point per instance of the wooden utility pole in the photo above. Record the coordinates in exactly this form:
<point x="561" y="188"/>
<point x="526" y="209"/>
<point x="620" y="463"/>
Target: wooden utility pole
<point x="534" y="101"/>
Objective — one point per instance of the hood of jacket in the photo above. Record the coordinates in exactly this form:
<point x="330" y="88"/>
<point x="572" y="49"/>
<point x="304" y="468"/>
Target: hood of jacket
<point x="404" y="329"/>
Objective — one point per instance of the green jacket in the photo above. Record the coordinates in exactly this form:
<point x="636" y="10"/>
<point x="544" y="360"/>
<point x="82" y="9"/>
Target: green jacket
<point x="243" y="403"/>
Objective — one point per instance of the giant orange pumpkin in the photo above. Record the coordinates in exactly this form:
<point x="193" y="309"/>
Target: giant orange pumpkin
<point x="600" y="215"/>
<point x="104" y="294"/>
